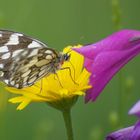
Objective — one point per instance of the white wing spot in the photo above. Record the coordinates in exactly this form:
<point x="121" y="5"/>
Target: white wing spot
<point x="22" y="69"/>
<point x="32" y="80"/>
<point x="33" y="61"/>
<point x="26" y="73"/>
<point x="24" y="53"/>
<point x="34" y="44"/>
<point x="6" y="81"/>
<point x="4" y="49"/>
<point x="17" y="52"/>
<point x="30" y="64"/>
<point x="41" y="63"/>
<point x="18" y="34"/>
<point x="34" y="52"/>
<point x="49" y="57"/>
<point x="48" y="52"/>
<point x="1" y="65"/>
<point x="6" y="56"/>
<point x="25" y="79"/>
<point x="17" y="85"/>
<point x="1" y="73"/>
<point x="13" y="40"/>
<point x="0" y="35"/>
<point x="12" y="83"/>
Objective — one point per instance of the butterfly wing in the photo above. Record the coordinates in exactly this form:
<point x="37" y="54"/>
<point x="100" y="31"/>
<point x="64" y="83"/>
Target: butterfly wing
<point x="23" y="60"/>
<point x="12" y="43"/>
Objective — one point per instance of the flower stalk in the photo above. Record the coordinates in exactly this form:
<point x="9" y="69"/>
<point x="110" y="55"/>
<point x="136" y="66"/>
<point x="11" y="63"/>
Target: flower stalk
<point x="65" y="106"/>
<point x="68" y="123"/>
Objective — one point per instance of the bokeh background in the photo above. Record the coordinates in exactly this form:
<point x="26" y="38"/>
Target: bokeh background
<point x="70" y="22"/>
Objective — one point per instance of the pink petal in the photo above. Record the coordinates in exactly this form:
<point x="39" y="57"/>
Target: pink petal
<point x="106" y="57"/>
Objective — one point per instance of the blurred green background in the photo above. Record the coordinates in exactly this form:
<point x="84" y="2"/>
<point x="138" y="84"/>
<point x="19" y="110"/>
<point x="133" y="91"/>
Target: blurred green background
<point x="69" y="22"/>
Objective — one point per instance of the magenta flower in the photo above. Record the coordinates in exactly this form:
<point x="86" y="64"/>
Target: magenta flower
<point x="130" y="133"/>
<point x="104" y="58"/>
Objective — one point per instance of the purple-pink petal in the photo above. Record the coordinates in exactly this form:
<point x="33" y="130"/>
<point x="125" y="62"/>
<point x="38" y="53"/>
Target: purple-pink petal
<point x="106" y="57"/>
<point x="135" y="135"/>
<point x="122" y="134"/>
<point x="130" y="133"/>
<point x="135" y="110"/>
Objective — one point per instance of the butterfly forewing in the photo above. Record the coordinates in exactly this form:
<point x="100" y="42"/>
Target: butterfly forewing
<point x="24" y="60"/>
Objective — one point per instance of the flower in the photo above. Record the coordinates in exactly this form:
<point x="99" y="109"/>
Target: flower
<point x="130" y="133"/>
<point x="123" y="134"/>
<point x="56" y="88"/>
<point x="106" y="57"/>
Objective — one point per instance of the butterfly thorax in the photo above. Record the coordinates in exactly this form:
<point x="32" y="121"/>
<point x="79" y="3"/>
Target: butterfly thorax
<point x="58" y="62"/>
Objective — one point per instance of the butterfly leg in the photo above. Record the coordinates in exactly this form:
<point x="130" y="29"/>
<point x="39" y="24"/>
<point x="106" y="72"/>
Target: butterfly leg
<point x="73" y="69"/>
<point x="67" y="68"/>
<point x="41" y="86"/>
<point x="58" y="79"/>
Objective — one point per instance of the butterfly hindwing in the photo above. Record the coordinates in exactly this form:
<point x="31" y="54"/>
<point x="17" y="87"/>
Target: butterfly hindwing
<point x="33" y="65"/>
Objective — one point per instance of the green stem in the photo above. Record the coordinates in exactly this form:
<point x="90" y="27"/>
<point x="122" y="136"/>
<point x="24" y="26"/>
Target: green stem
<point x="68" y="123"/>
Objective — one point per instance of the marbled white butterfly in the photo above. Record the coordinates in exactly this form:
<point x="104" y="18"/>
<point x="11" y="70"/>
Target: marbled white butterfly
<point x="25" y="60"/>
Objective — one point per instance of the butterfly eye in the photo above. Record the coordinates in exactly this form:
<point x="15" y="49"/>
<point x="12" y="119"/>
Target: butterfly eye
<point x="66" y="57"/>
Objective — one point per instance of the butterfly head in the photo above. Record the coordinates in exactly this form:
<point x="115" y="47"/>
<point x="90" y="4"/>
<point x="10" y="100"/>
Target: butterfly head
<point x="64" y="57"/>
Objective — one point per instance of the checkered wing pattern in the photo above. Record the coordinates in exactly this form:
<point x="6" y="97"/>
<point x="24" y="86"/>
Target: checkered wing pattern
<point x="24" y="60"/>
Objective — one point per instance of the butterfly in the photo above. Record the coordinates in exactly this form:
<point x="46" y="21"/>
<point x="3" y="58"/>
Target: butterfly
<point x="25" y="60"/>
